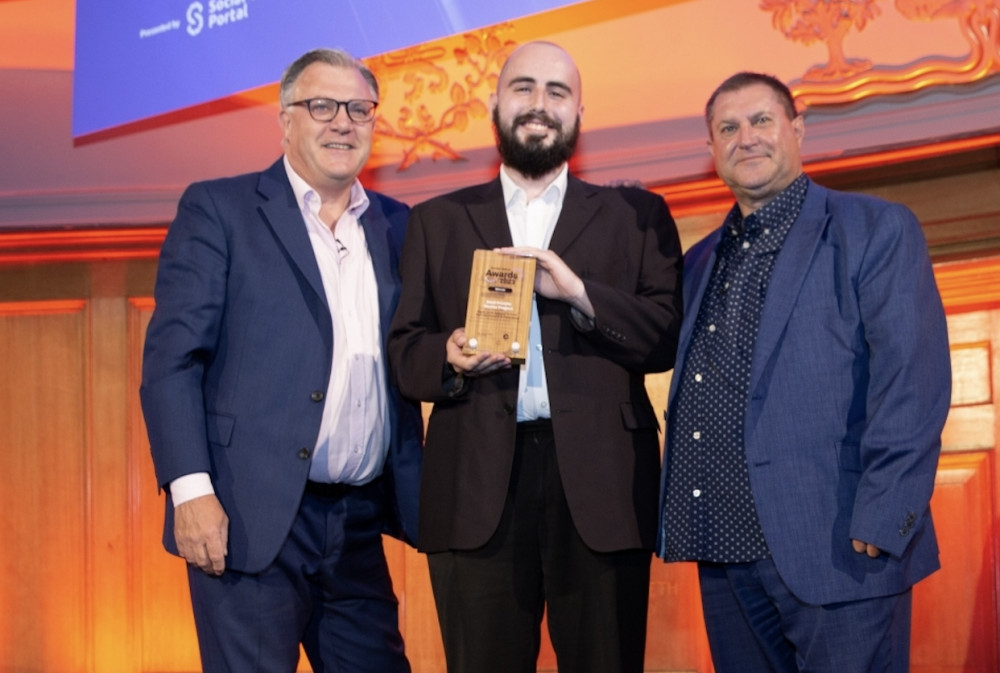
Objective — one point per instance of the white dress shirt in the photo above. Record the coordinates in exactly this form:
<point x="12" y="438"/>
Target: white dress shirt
<point x="531" y="224"/>
<point x="354" y="433"/>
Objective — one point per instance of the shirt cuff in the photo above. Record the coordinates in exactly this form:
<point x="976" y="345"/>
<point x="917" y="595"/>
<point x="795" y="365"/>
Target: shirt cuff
<point x="190" y="486"/>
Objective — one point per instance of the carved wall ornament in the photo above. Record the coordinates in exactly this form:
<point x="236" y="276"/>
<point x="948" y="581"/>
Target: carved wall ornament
<point x="433" y="90"/>
<point x="843" y="79"/>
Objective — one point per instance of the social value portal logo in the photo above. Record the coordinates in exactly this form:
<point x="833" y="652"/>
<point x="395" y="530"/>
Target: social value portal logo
<point x="195" y="19"/>
<point x="220" y="13"/>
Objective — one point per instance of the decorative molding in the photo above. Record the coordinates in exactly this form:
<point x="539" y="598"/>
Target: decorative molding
<point x="80" y="245"/>
<point x="843" y="79"/>
<point x="445" y="85"/>
<point x="969" y="286"/>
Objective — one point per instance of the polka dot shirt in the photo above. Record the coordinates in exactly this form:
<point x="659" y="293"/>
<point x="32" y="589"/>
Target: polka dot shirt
<point x="709" y="513"/>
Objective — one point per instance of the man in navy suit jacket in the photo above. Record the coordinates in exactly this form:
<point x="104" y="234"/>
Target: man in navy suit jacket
<point x="811" y="386"/>
<point x="284" y="449"/>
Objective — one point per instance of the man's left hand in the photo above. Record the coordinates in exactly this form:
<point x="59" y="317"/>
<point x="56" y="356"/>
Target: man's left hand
<point x="554" y="279"/>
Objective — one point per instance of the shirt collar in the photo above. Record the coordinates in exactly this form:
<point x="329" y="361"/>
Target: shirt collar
<point x="553" y="192"/>
<point x="782" y="209"/>
<point x="307" y="198"/>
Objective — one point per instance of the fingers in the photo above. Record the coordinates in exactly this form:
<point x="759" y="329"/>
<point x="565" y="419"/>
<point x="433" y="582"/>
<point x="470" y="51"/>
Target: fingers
<point x="201" y="530"/>
<point x="864" y="548"/>
<point x="478" y="364"/>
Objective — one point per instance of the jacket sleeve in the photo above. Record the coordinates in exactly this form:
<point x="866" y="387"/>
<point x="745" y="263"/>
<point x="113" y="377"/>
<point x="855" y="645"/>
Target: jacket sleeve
<point x="638" y="327"/>
<point x="909" y="382"/>
<point x="182" y="335"/>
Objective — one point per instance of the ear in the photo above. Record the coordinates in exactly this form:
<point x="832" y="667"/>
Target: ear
<point x="799" y="126"/>
<point x="493" y="102"/>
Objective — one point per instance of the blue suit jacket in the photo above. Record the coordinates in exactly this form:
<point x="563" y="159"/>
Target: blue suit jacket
<point x="238" y="357"/>
<point x="849" y="389"/>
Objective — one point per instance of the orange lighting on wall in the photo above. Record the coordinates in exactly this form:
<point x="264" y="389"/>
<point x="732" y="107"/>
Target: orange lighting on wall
<point x="80" y="245"/>
<point x="706" y="195"/>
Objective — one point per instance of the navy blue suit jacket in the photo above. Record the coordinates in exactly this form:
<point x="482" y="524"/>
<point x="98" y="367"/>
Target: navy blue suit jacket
<point x="238" y="357"/>
<point x="849" y="390"/>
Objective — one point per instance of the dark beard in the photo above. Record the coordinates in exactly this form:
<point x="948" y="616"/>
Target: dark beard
<point x="530" y="158"/>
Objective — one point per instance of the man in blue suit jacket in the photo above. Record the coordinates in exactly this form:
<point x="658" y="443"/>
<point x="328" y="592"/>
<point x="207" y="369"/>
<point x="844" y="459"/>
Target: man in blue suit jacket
<point x="284" y="449"/>
<point x="811" y="386"/>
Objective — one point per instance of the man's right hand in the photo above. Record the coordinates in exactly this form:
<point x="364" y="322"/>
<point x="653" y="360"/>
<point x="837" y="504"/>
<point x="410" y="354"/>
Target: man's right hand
<point x="201" y="530"/>
<point x="479" y="364"/>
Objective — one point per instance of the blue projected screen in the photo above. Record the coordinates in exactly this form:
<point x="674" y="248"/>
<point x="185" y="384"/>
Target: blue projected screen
<point x="141" y="58"/>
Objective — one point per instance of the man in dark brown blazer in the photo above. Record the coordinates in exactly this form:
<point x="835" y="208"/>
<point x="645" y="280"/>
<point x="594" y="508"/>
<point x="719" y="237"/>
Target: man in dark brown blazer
<point x="540" y="481"/>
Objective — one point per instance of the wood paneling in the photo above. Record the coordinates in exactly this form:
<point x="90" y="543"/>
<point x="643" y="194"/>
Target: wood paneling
<point x="45" y="496"/>
<point x="954" y="610"/>
<point x="87" y="588"/>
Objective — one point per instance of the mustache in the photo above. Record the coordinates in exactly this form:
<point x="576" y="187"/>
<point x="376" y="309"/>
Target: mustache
<point x="539" y="117"/>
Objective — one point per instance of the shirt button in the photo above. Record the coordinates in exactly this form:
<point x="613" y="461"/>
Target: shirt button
<point x="697" y="377"/>
<point x="696" y="492"/>
<point x="711" y="328"/>
<point x="746" y="244"/>
<point x="696" y="434"/>
<point x="544" y="405"/>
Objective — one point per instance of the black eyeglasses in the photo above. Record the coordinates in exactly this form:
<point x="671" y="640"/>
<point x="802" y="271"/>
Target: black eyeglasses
<point x="325" y="109"/>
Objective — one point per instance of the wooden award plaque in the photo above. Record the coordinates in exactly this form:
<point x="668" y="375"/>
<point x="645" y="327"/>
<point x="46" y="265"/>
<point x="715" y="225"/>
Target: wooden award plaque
<point x="499" y="311"/>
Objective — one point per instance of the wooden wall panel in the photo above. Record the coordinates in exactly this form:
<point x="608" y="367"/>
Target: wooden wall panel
<point x="45" y="496"/>
<point x="955" y="618"/>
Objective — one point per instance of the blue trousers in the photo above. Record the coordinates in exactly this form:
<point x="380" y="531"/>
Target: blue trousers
<point x="329" y="589"/>
<point x="756" y="625"/>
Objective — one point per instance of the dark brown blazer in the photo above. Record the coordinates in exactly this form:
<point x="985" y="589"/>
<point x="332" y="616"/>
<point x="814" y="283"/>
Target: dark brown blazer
<point x="623" y="243"/>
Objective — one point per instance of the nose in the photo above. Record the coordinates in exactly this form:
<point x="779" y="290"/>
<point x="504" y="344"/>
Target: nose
<point x="341" y="119"/>
<point x="746" y="135"/>
<point x="538" y="99"/>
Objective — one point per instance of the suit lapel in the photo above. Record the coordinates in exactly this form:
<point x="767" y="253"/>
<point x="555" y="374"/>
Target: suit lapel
<point x="376" y="229"/>
<point x="578" y="209"/>
<point x="789" y="274"/>
<point x="488" y="213"/>
<point x="282" y="213"/>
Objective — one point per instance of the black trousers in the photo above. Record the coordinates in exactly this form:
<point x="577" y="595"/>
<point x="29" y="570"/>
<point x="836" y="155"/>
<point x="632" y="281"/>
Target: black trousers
<point x="490" y="601"/>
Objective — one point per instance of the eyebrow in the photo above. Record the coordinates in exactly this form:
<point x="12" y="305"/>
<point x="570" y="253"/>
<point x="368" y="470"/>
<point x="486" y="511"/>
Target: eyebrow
<point x="736" y="120"/>
<point x="524" y="79"/>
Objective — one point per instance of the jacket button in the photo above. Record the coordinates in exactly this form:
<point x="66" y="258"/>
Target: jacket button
<point x="317" y="396"/>
<point x="508" y="409"/>
<point x="304" y="454"/>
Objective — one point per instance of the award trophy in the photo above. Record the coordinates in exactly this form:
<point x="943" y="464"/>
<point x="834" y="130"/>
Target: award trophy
<point x="499" y="310"/>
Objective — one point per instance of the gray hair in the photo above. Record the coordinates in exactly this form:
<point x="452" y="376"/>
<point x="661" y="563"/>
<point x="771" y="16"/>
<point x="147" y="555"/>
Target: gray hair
<point x="335" y="57"/>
